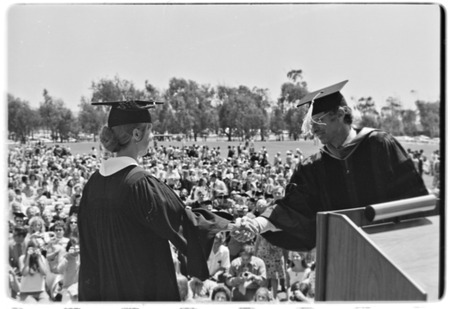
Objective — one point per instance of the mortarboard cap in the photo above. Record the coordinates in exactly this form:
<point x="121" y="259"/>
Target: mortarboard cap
<point x="224" y="215"/>
<point x="268" y="195"/>
<point x="221" y="194"/>
<point x="325" y="99"/>
<point x="319" y="101"/>
<point x="206" y="202"/>
<point x="19" y="214"/>
<point x="129" y="111"/>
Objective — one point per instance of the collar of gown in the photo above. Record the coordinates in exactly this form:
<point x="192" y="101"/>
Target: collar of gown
<point x="113" y="165"/>
<point x="351" y="136"/>
<point x="350" y="144"/>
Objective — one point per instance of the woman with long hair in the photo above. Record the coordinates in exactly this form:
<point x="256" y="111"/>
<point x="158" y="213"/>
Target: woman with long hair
<point x="298" y="269"/>
<point x="36" y="227"/>
<point x="71" y="229"/>
<point x="34" y="267"/>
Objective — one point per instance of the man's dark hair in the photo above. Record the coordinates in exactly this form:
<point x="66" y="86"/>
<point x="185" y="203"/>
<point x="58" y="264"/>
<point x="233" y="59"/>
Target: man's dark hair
<point x="59" y="224"/>
<point x="348" y="117"/>
<point x="221" y="288"/>
<point x="20" y="231"/>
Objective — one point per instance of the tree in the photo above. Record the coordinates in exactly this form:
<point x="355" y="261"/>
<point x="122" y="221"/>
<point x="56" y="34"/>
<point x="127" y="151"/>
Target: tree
<point x="409" y="118"/>
<point x="67" y="125"/>
<point x="115" y="89"/>
<point x="291" y="93"/>
<point x="293" y="116"/>
<point x="369" y="114"/>
<point x="22" y="120"/>
<point x="190" y="103"/>
<point x="164" y="119"/>
<point x="188" y="109"/>
<point x="366" y="105"/>
<point x="228" y="111"/>
<point x="207" y="118"/>
<point x="49" y="111"/>
<point x="294" y="75"/>
<point x="277" y="123"/>
<point x="294" y="121"/>
<point x="370" y="121"/>
<point x="429" y="117"/>
<point x="261" y="116"/>
<point x="395" y="105"/>
<point x="57" y="118"/>
<point x="392" y="124"/>
<point x="243" y="112"/>
<point x="91" y="118"/>
<point x="391" y="116"/>
<point x="151" y="91"/>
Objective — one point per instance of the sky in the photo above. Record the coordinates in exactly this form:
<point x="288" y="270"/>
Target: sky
<point x="384" y="50"/>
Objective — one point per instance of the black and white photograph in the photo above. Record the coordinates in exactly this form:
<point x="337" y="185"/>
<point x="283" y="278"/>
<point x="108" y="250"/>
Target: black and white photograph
<point x="247" y="154"/>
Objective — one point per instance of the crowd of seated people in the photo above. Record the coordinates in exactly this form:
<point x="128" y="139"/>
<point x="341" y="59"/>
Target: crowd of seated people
<point x="45" y="185"/>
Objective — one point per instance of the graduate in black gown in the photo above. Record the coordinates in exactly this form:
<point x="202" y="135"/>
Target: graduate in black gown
<point x="354" y="168"/>
<point x="127" y="218"/>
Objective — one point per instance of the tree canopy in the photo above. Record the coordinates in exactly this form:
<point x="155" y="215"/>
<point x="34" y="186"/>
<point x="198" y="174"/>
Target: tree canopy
<point x="194" y="110"/>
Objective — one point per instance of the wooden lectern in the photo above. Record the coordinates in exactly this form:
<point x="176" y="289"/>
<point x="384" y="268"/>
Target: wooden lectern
<point x="394" y="259"/>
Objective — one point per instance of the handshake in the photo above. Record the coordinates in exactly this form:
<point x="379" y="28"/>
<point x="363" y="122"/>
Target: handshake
<point x="245" y="229"/>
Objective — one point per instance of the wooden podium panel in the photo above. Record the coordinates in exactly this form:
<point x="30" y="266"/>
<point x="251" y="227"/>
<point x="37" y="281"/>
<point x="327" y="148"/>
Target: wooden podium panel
<point x="413" y="246"/>
<point x="387" y="261"/>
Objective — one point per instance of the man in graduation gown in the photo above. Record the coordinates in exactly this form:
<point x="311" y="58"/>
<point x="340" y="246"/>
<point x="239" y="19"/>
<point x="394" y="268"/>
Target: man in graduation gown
<point x="355" y="168"/>
<point x="127" y="219"/>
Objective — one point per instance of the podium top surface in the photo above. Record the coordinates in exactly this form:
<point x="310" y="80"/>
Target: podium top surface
<point x="413" y="245"/>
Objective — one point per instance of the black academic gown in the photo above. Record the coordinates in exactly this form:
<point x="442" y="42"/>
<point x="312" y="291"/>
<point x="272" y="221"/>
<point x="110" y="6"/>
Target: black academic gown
<point x="375" y="169"/>
<point x="125" y="223"/>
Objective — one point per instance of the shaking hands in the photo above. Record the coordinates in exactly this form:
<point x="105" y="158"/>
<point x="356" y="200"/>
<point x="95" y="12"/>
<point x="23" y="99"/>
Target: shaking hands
<point x="245" y="229"/>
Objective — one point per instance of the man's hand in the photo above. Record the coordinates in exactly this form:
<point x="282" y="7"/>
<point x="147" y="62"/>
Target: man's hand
<point x="238" y="232"/>
<point x="250" y="225"/>
<point x="242" y="236"/>
<point x="245" y="229"/>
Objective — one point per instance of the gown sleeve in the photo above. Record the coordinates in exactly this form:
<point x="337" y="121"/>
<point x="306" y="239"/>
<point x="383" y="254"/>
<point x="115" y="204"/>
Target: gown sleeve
<point x="295" y="214"/>
<point x="399" y="178"/>
<point x="190" y="231"/>
<point x="395" y="178"/>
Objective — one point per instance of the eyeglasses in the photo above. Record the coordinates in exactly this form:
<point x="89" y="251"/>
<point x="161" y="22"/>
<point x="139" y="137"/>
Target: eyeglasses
<point x="319" y="120"/>
<point x="73" y="222"/>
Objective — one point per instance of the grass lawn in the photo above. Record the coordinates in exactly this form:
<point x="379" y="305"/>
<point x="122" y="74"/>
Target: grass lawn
<point x="307" y="147"/>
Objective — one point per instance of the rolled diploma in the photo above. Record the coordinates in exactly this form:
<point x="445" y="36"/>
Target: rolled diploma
<point x="400" y="208"/>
